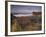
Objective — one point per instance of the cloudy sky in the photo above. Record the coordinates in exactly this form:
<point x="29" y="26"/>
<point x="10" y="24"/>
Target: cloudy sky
<point x="25" y="9"/>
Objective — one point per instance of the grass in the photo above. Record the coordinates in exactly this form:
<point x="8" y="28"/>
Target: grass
<point x="31" y="23"/>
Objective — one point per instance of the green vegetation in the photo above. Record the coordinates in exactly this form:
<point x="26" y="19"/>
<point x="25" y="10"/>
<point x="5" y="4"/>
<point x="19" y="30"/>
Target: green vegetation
<point x="29" y="23"/>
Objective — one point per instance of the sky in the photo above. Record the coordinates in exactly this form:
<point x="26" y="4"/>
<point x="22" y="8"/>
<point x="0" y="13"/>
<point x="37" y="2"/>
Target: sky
<point x="25" y="9"/>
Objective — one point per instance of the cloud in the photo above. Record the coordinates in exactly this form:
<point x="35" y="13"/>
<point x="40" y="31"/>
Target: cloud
<point x="25" y="9"/>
